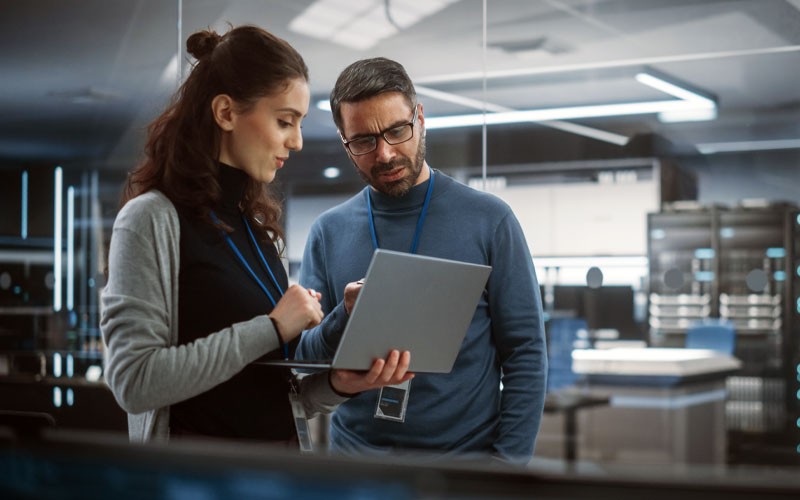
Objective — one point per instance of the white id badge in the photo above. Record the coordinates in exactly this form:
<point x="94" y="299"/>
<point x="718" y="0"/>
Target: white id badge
<point x="392" y="402"/>
<point x="301" y="423"/>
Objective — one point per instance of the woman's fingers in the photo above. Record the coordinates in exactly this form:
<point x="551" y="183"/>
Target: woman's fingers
<point x="298" y="309"/>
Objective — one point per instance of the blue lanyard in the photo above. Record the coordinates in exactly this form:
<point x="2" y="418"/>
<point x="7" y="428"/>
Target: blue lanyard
<point x="250" y="269"/>
<point x="420" y="220"/>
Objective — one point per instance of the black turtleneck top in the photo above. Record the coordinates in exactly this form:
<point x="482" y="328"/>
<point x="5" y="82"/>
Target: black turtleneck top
<point x="216" y="291"/>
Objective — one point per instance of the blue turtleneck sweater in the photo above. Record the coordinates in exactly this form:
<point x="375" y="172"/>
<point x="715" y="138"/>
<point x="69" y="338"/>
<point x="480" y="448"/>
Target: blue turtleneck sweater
<point x="463" y="413"/>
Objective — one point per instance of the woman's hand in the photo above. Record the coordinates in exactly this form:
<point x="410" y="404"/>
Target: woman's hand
<point x="391" y="371"/>
<point x="298" y="310"/>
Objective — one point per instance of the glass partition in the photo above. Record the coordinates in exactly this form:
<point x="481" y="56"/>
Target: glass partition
<point x="649" y="149"/>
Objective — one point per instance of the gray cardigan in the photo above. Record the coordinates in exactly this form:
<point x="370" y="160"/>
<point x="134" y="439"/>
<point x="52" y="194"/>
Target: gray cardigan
<point x="145" y="368"/>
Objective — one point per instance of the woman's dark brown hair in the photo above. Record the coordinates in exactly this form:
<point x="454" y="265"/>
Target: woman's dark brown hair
<point x="183" y="143"/>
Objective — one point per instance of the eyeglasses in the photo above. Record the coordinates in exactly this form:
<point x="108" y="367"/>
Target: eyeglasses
<point x="393" y="136"/>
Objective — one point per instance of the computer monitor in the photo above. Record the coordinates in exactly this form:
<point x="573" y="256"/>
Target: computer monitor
<point x="610" y="307"/>
<point x="568" y="300"/>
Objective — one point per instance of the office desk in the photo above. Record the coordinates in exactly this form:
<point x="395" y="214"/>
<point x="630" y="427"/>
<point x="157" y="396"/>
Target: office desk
<point x="568" y="401"/>
<point x="667" y="406"/>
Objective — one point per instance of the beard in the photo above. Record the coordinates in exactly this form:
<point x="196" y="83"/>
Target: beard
<point x="400" y="187"/>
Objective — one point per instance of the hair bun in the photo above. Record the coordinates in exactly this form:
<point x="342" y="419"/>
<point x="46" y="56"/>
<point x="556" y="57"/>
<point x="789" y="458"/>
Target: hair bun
<point x="202" y="43"/>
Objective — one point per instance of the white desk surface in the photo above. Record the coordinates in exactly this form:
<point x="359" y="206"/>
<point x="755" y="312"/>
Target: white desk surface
<point x="652" y="361"/>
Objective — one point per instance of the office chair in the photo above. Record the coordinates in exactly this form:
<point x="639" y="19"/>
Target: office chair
<point x="561" y="336"/>
<point x="713" y="334"/>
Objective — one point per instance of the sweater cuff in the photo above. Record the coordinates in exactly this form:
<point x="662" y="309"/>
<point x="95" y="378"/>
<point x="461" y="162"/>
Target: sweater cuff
<point x="281" y="343"/>
<point x="338" y="393"/>
<point x="333" y="326"/>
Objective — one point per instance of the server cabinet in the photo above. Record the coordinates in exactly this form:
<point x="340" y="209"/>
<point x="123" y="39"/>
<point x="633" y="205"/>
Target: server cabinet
<point x="740" y="265"/>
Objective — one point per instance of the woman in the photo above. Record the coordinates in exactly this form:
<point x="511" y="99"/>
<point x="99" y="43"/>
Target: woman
<point x="196" y="290"/>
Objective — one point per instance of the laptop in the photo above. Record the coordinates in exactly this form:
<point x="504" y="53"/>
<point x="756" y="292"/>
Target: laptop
<point x="411" y="303"/>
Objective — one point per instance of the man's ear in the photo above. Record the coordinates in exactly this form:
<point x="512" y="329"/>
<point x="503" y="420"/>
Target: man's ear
<point x="222" y="108"/>
<point x="421" y="118"/>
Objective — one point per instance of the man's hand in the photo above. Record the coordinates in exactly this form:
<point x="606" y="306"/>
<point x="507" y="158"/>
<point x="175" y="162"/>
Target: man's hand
<point x="391" y="371"/>
<point x="351" y="291"/>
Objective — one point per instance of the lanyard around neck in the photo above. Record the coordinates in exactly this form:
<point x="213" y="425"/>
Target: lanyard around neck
<point x="420" y="219"/>
<point x="246" y="265"/>
<point x="253" y="275"/>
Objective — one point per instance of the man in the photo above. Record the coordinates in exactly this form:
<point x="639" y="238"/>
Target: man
<point x="409" y="207"/>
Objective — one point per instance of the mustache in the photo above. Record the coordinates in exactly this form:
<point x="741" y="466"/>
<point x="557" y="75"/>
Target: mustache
<point x="380" y="168"/>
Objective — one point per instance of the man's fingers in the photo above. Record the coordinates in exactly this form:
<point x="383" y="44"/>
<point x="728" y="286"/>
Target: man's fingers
<point x="402" y="366"/>
<point x="375" y="372"/>
<point x="391" y="366"/>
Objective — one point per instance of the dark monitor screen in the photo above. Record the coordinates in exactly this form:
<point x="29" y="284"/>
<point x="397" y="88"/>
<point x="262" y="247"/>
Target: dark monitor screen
<point x="605" y="307"/>
<point x="569" y="298"/>
<point x="41" y="202"/>
<point x="610" y="307"/>
<point x="10" y="203"/>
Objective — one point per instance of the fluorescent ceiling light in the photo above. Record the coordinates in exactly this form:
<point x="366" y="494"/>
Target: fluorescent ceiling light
<point x="567" y="113"/>
<point x="706" y="107"/>
<point x="688" y="115"/>
<point x="709" y="148"/>
<point x="360" y="24"/>
<point x="574" y="128"/>
<point x="689" y="106"/>
<point x="672" y="89"/>
<point x="687" y="101"/>
<point x="594" y="133"/>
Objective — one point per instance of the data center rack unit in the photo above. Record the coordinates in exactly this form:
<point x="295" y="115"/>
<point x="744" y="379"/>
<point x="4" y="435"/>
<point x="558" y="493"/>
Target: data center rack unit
<point x="742" y="265"/>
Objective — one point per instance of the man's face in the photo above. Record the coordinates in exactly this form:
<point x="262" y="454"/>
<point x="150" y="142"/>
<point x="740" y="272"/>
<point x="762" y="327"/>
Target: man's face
<point x="390" y="169"/>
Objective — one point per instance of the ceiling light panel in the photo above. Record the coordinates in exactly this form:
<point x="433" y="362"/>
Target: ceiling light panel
<point x="414" y="10"/>
<point x="568" y="113"/>
<point x="360" y="24"/>
<point x="688" y="104"/>
<point x="372" y="25"/>
<point x="320" y="20"/>
<point x="688" y="115"/>
<point x="709" y="148"/>
<point x="672" y="89"/>
<point x="562" y="93"/>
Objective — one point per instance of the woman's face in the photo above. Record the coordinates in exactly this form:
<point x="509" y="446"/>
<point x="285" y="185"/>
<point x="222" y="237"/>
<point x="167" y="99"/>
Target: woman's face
<point x="259" y="139"/>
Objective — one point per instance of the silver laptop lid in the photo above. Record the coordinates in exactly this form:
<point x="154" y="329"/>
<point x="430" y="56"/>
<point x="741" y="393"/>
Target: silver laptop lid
<point x="412" y="302"/>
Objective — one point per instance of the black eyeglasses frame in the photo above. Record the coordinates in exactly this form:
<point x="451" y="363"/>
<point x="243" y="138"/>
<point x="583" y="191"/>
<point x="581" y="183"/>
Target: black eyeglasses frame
<point x="381" y="134"/>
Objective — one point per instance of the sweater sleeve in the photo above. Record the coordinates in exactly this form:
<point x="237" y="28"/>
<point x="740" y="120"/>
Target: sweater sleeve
<point x="317" y="394"/>
<point x="518" y="330"/>
<point x="321" y="341"/>
<point x="145" y="368"/>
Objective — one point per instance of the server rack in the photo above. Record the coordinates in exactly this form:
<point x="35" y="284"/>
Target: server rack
<point x="742" y="265"/>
